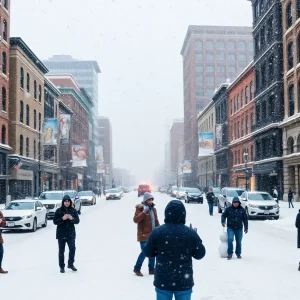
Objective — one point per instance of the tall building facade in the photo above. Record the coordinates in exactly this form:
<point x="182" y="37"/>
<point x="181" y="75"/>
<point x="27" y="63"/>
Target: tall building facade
<point x="241" y="118"/>
<point x="291" y="123"/>
<point x="269" y="103"/>
<point x="176" y="142"/>
<point x="207" y="163"/>
<point x="105" y="139"/>
<point x="4" y="107"/>
<point x="211" y="55"/>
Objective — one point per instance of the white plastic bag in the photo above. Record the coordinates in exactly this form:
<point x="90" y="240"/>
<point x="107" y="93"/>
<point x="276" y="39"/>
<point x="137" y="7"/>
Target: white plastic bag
<point x="223" y="245"/>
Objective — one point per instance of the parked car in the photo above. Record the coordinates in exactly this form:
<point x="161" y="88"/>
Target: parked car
<point x="226" y="196"/>
<point x="143" y="188"/>
<point x="181" y="192"/>
<point x="193" y="195"/>
<point x="260" y="205"/>
<point x="217" y="192"/>
<point x="113" y="194"/>
<point x="87" y="197"/>
<point x="52" y="200"/>
<point x="25" y="215"/>
<point x="174" y="191"/>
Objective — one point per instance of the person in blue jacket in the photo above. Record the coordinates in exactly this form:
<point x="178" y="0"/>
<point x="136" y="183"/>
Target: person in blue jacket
<point x="174" y="245"/>
<point x="236" y="217"/>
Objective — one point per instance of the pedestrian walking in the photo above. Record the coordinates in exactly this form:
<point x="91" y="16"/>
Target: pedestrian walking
<point x="65" y="218"/>
<point x="174" y="245"/>
<point x="99" y="192"/>
<point x="298" y="235"/>
<point x="146" y="219"/>
<point x="210" y="196"/>
<point x="236" y="219"/>
<point x="2" y="224"/>
<point x="291" y="197"/>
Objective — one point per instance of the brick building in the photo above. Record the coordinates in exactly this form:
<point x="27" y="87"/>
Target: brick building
<point x="4" y="90"/>
<point x="291" y="123"/>
<point x="211" y="55"/>
<point x="241" y="120"/>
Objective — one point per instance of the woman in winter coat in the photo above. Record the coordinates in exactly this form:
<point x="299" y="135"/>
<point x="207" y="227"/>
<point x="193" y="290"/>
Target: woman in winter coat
<point x="298" y="238"/>
<point x="146" y="218"/>
<point x="2" y="224"/>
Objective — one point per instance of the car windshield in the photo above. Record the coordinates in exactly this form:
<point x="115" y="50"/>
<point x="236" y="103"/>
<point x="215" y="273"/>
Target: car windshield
<point x="182" y="189"/>
<point x="113" y="191"/>
<point x="216" y="191"/>
<point x="235" y="193"/>
<point x="193" y="190"/>
<point x="69" y="193"/>
<point x="51" y="196"/>
<point x="85" y="193"/>
<point x="144" y="186"/>
<point x="259" y="197"/>
<point x="20" y="206"/>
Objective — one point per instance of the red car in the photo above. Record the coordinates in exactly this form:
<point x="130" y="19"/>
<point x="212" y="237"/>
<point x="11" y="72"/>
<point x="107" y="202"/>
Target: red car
<point x="143" y="188"/>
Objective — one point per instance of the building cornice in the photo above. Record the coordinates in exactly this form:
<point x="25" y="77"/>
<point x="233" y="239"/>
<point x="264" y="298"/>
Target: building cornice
<point x="49" y="85"/>
<point x="267" y="160"/>
<point x="266" y="128"/>
<point x="245" y="138"/>
<point x="73" y="92"/>
<point x="289" y="121"/>
<point x="66" y="107"/>
<point x="207" y="108"/>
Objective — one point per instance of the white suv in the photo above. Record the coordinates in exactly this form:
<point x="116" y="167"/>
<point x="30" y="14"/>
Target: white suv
<point x="260" y="205"/>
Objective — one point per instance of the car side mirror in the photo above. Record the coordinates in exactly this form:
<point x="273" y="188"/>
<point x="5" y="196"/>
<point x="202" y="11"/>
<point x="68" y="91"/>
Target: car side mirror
<point x="244" y="199"/>
<point x="38" y="208"/>
<point x="224" y="196"/>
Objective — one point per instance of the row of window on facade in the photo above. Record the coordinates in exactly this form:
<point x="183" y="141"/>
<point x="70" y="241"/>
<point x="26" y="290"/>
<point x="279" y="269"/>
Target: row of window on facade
<point x="259" y="8"/>
<point x="291" y="145"/>
<point x="267" y="147"/>
<point x="220" y="45"/>
<point x="242" y="128"/>
<point x="239" y="158"/>
<point x="4" y="30"/>
<point x="5" y="4"/>
<point x="265" y="74"/>
<point x="264" y="36"/>
<point x="265" y="110"/>
<point x="238" y="102"/>
<point x="3" y="135"/>
<point x="290" y="54"/>
<point x="27" y="147"/>
<point x="289" y="13"/>
<point x="208" y="124"/>
<point x="242" y="58"/>
<point x="28" y="85"/>
<point x="28" y="116"/>
<point x="219" y="69"/>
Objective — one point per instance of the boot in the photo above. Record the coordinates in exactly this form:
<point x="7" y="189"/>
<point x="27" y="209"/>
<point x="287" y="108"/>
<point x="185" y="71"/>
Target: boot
<point x="2" y="271"/>
<point x="152" y="272"/>
<point x="62" y="270"/>
<point x="299" y="268"/>
<point x="229" y="256"/>
<point x="239" y="257"/>
<point x="138" y="273"/>
<point x="72" y="268"/>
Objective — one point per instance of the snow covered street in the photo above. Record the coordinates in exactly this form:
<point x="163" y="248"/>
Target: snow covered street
<point x="107" y="251"/>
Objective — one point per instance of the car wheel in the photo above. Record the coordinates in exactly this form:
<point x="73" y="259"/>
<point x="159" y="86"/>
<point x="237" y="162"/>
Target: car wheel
<point x="79" y="211"/>
<point x="219" y="208"/>
<point x="34" y="225"/>
<point x="95" y="201"/>
<point x="45" y="224"/>
<point x="276" y="218"/>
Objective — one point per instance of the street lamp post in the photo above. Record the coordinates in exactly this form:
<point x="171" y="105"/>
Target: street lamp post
<point x="206" y="165"/>
<point x="246" y="171"/>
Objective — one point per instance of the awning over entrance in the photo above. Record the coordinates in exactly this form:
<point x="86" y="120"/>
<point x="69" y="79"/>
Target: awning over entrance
<point x="267" y="168"/>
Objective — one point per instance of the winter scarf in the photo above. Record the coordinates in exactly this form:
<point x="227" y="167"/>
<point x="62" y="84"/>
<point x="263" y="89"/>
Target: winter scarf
<point x="152" y="218"/>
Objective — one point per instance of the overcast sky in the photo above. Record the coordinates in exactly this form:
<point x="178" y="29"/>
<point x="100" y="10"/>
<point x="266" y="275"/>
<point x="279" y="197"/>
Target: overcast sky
<point x="137" y="45"/>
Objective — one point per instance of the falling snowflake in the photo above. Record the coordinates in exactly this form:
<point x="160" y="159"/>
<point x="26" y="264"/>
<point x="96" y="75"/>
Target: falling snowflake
<point x="187" y="276"/>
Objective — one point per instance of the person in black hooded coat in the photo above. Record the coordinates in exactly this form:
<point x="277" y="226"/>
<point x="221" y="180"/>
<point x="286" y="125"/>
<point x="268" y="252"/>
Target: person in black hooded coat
<point x="174" y="245"/>
<point x="65" y="218"/>
<point x="297" y="224"/>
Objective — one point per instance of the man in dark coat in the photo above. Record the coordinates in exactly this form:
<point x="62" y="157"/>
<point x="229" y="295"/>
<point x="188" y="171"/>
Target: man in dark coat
<point x="210" y="197"/>
<point x="174" y="245"/>
<point x="65" y="217"/>
<point x="236" y="216"/>
<point x="298" y="227"/>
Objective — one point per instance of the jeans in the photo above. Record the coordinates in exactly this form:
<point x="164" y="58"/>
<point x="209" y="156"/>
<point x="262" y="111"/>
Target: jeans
<point x="238" y="234"/>
<point x="61" y="254"/>
<point x="211" y="208"/>
<point x="291" y="203"/>
<point x="1" y="254"/>
<point x="141" y="259"/>
<point x="168" y="295"/>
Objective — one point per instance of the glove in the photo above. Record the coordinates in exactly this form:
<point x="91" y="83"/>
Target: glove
<point x="146" y="209"/>
<point x="246" y="231"/>
<point x="223" y="225"/>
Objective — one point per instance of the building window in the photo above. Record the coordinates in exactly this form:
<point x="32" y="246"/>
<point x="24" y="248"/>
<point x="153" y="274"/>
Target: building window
<point x="237" y="102"/>
<point x="199" y="57"/>
<point x="271" y="67"/>
<point x="210" y="68"/>
<point x="263" y="78"/>
<point x="21" y="144"/>
<point x="199" y="69"/>
<point x="210" y="80"/>
<point x="35" y="90"/>
<point x="290" y="144"/>
<point x="246" y="95"/>
<point x="252" y="121"/>
<point x="290" y="53"/>
<point x="3" y="135"/>
<point x="34" y="119"/>
<point x="5" y="4"/>
<point x="256" y="44"/>
<point x="247" y="125"/>
<point x="40" y="121"/>
<point x="242" y="98"/>
<point x="22" y="78"/>
<point x="39" y="150"/>
<point x="289" y="15"/>
<point x="251" y="90"/>
<point x="4" y="33"/>
<point x="262" y="37"/>
<point x="198" y="45"/>
<point x="252" y="153"/>
<point x="269" y="30"/>
<point x="21" y="111"/>
<point x="40" y="93"/>
<point x="298" y="9"/>
<point x="34" y="149"/>
<point x="4" y="63"/>
<point x="27" y="147"/>
<point x="231" y="57"/>
<point x="242" y="127"/>
<point x="3" y="98"/>
<point x="291" y="101"/>
<point x="271" y="106"/>
<point x="210" y="57"/>
<point x="28" y="83"/>
<point x="220" y="45"/>
<point x="27" y="115"/>
<point x="242" y="45"/>
<point x="264" y="109"/>
<point x="238" y="130"/>
<point x="209" y="45"/>
<point x="220" y="57"/>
